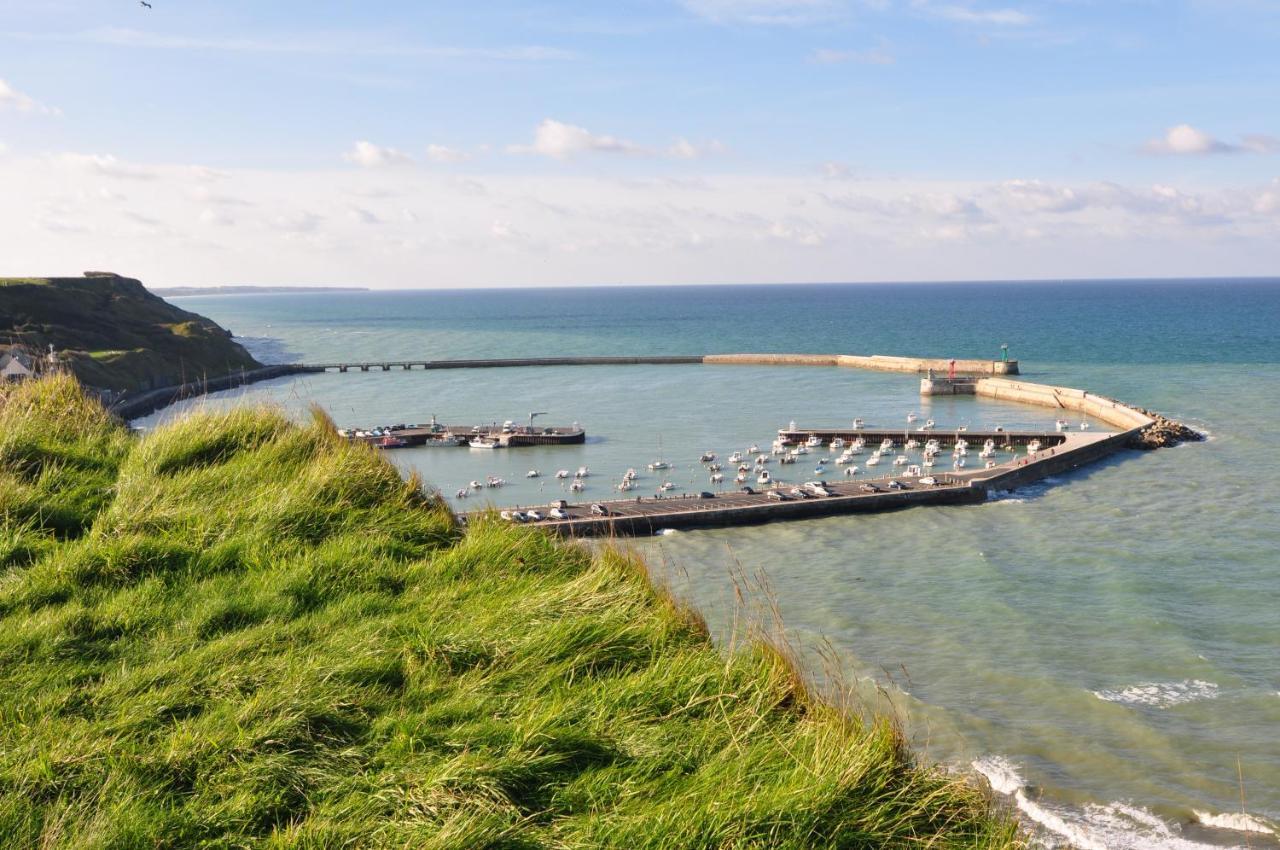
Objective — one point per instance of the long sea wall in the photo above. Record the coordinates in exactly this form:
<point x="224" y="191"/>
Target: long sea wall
<point x="876" y="362"/>
<point x="1114" y="413"/>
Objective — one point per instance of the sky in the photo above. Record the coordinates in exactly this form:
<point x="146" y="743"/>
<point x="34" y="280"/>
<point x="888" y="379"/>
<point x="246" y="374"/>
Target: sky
<point x="405" y="144"/>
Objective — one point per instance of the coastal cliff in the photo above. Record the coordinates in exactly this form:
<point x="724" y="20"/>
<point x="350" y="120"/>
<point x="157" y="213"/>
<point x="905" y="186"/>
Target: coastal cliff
<point x="113" y="334"/>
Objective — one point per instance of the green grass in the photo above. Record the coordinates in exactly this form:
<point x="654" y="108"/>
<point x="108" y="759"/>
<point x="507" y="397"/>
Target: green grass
<point x="240" y="632"/>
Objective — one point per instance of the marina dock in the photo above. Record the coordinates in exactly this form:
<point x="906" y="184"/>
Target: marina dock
<point x="1059" y="453"/>
<point x="408" y="436"/>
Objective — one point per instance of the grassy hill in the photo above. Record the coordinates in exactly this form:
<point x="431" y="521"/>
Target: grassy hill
<point x="237" y="632"/>
<point x="114" y="334"/>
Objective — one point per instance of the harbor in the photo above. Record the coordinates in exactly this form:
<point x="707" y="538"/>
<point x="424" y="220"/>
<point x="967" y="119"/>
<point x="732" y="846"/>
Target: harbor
<point x="491" y="436"/>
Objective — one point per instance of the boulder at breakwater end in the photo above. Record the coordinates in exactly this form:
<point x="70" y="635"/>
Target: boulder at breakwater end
<point x="1163" y="433"/>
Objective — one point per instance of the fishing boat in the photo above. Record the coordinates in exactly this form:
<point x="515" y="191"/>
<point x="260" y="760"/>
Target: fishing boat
<point x="1033" y="447"/>
<point x="857" y="424"/>
<point x="659" y="464"/>
<point x="753" y="449"/>
<point x="814" y="441"/>
<point x="484" y="443"/>
<point x="837" y="443"/>
<point x="707" y="457"/>
<point x="582" y="472"/>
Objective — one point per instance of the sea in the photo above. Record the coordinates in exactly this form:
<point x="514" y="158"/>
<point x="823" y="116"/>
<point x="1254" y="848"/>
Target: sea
<point x="1103" y="647"/>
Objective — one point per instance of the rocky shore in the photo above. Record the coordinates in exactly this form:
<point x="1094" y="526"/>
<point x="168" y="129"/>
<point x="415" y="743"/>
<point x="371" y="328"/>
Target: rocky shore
<point x="1163" y="433"/>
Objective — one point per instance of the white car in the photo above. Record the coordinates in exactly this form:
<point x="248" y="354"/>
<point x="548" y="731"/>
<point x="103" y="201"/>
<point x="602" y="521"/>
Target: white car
<point x="533" y="516"/>
<point x="928" y="481"/>
<point x="558" y="513"/>
<point x="816" y="488"/>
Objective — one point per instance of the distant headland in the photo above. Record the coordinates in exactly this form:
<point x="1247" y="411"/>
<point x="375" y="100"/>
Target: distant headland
<point x="168" y="291"/>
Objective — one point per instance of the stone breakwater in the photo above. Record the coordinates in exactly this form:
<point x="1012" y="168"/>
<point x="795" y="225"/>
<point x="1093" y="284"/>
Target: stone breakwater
<point x="1164" y="432"/>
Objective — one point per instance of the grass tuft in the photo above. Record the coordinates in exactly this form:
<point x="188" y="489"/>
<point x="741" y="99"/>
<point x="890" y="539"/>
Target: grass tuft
<point x="237" y="631"/>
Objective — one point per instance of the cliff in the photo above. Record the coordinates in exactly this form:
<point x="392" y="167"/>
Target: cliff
<point x="113" y="334"/>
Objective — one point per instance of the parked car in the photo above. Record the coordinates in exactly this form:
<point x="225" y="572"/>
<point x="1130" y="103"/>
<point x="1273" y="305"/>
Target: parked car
<point x="896" y="485"/>
<point x="801" y="493"/>
<point x="777" y="496"/>
<point x="750" y="491"/>
<point x="706" y="494"/>
<point x="559" y="503"/>
<point x="870" y="488"/>
<point x="599" y="510"/>
<point x="928" y="481"/>
<point x="816" y="488"/>
<point x="533" y="516"/>
<point x="558" y="513"/>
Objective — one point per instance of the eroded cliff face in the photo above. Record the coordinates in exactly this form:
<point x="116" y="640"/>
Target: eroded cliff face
<point x="114" y="334"/>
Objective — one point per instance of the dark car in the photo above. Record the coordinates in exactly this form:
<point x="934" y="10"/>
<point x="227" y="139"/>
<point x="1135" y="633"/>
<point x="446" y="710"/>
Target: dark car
<point x="750" y="491"/>
<point x="777" y="496"/>
<point x="870" y="488"/>
<point x="897" y="485"/>
<point x="706" y="494"/>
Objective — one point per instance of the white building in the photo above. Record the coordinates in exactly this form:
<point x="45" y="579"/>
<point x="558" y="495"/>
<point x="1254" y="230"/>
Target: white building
<point x="16" y="366"/>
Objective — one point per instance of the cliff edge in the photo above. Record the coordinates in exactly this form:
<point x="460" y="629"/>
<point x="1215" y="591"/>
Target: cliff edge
<point x="113" y="334"/>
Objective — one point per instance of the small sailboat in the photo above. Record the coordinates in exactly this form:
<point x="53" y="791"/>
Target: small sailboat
<point x="661" y="462"/>
<point x="582" y="472"/>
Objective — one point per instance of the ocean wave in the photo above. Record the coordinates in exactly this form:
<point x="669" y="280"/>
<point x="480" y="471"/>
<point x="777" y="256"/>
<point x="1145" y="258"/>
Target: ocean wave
<point x="1161" y="694"/>
<point x="1238" y="821"/>
<point x="1113" y="826"/>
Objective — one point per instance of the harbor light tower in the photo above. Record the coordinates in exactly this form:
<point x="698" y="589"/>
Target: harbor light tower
<point x="1004" y="352"/>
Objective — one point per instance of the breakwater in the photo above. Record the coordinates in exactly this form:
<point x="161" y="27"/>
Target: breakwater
<point x="140" y="404"/>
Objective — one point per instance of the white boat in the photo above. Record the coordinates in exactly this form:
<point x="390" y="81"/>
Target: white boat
<point x="741" y="478"/>
<point x="886" y="445"/>
<point x="666" y="485"/>
<point x="1084" y="426"/>
<point x="1033" y="447"/>
<point x="659" y="464"/>
<point x="577" y="486"/>
<point x="717" y="477"/>
<point x="912" y="471"/>
<point x="629" y="475"/>
<point x="582" y="472"/>
<point x="707" y="457"/>
<point x="927" y="426"/>
<point x="911" y="417"/>
<point x="959" y="464"/>
<point x="779" y="446"/>
<point x="562" y="473"/>
<point x="819" y="471"/>
<point x="736" y="457"/>
<point x="873" y="460"/>
<point x="987" y="452"/>
<point x="837" y="443"/>
<point x="533" y="473"/>
<point x="462" y="494"/>
<point x="857" y="424"/>
<point x="483" y="443"/>
<point x="763" y="477"/>
<point x="928" y="460"/>
<point x="476" y="485"/>
<point x="912" y="444"/>
<point x="801" y="450"/>
<point x="814" y="441"/>
<point x="753" y="449"/>
<point x="901" y="460"/>
<point x="744" y="467"/>
<point x="789" y="457"/>
<point x="494" y="481"/>
<point x="844" y="460"/>
<point x="625" y="485"/>
<point x="851" y="471"/>
<point x="1062" y="425"/>
<point x="991" y="464"/>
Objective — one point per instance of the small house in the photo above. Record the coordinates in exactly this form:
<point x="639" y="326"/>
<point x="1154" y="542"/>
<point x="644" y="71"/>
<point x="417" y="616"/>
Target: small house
<point x="16" y="365"/>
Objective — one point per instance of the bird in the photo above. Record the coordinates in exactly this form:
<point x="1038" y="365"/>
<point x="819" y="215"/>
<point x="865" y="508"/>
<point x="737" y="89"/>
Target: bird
<point x="145" y="3"/>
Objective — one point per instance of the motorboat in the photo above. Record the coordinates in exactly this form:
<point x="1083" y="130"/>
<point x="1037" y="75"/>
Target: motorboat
<point x="625" y="485"/>
<point x="912" y="471"/>
<point x="629" y="475"/>
<point x="874" y="460"/>
<point x="857" y="424"/>
<point x="912" y="444"/>
<point x="741" y="478"/>
<point x="851" y="471"/>
<point x="763" y="477"/>
<point x="736" y="457"/>
<point x="717" y="477"/>
<point x="753" y="449"/>
<point x="789" y="457"/>
<point x="886" y="444"/>
<point x="582" y="472"/>
<point x="462" y="494"/>
<point x="837" y="443"/>
<point x="577" y="486"/>
<point x="802" y="450"/>
<point x="1062" y="425"/>
<point x="707" y="457"/>
<point x="484" y="443"/>
<point x="562" y="473"/>
<point x="1033" y="447"/>
<point x="659" y="464"/>
<point x="901" y="460"/>
<point x="533" y="473"/>
<point x="666" y="486"/>
<point x="814" y="441"/>
<point x="476" y="485"/>
<point x="927" y="426"/>
<point x="911" y="417"/>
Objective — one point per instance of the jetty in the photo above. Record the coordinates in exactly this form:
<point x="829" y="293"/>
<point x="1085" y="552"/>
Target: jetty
<point x="503" y="435"/>
<point x="646" y="515"/>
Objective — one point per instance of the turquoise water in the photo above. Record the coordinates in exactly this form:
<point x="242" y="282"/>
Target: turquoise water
<point x="1104" y="647"/>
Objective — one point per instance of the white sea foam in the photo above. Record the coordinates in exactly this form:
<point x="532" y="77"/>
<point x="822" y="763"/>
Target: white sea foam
<point x="1239" y="821"/>
<point x="1161" y="694"/>
<point x="1114" y="826"/>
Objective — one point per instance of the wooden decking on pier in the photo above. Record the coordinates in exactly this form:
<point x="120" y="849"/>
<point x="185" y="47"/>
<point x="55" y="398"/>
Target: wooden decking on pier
<point x="1061" y="452"/>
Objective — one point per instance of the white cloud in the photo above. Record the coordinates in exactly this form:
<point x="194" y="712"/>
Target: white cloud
<point x="368" y="155"/>
<point x="11" y="98"/>
<point x="966" y="14"/>
<point x="445" y="154"/>
<point x="766" y="12"/>
<point x="105" y="165"/>
<point x="682" y="148"/>
<point x="1186" y="140"/>
<point x="558" y="140"/>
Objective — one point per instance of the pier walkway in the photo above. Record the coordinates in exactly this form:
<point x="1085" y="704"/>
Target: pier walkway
<point x="1061" y="452"/>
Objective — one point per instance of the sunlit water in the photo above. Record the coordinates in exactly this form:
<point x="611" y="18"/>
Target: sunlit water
<point x="1105" y="647"/>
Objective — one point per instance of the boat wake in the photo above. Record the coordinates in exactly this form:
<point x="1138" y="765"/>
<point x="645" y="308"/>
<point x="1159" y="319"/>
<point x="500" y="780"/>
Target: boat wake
<point x="1161" y="694"/>
<point x="1113" y="826"/>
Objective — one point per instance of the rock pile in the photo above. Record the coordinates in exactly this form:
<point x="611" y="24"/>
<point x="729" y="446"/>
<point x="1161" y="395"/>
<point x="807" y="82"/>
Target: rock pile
<point x="1164" y="432"/>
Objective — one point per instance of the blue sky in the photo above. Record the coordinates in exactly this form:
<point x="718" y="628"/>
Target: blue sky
<point x="662" y="141"/>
